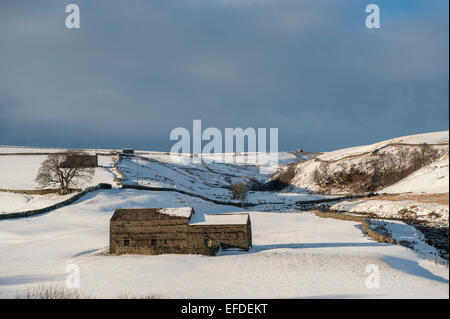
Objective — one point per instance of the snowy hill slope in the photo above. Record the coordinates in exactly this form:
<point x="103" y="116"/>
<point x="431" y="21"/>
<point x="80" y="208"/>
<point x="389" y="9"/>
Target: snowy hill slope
<point x="210" y="177"/>
<point x="291" y="257"/>
<point x="432" y="178"/>
<point x="371" y="168"/>
<point x="427" y="138"/>
<point x="206" y="176"/>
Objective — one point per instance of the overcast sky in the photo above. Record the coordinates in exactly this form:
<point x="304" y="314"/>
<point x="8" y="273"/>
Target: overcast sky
<point x="135" y="70"/>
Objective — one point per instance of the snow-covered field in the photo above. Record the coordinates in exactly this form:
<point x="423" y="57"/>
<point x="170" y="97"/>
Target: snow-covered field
<point x="25" y="169"/>
<point x="8" y="149"/>
<point x="19" y="171"/>
<point x="294" y="255"/>
<point x="209" y="176"/>
<point x="12" y="202"/>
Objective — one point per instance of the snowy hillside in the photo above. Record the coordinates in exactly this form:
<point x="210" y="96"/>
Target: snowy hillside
<point x="428" y="138"/>
<point x="374" y="167"/>
<point x="206" y="176"/>
<point x="292" y="254"/>
<point x="432" y="178"/>
<point x="210" y="176"/>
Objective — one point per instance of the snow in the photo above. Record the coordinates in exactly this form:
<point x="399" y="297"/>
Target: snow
<point x="17" y="172"/>
<point x="223" y="219"/>
<point x="432" y="179"/>
<point x="257" y="158"/>
<point x="105" y="160"/>
<point x="12" y="202"/>
<point x="294" y="255"/>
<point x="429" y="138"/>
<point x="433" y="213"/>
<point x="25" y="168"/>
<point x="184" y="212"/>
<point x="9" y="149"/>
<point x="211" y="179"/>
<point x="402" y="232"/>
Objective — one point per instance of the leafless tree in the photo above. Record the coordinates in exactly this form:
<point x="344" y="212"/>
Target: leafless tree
<point x="239" y="191"/>
<point x="64" y="170"/>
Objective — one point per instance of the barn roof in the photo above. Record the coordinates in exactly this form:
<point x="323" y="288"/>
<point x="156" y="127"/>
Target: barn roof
<point x="151" y="213"/>
<point x="224" y="219"/>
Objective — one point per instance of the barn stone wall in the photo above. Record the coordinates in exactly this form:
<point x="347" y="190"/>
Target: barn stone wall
<point x="238" y="236"/>
<point x="149" y="237"/>
<point x="174" y="235"/>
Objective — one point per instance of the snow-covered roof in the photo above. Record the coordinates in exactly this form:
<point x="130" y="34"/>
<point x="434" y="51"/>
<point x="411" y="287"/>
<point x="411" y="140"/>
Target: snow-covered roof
<point x="177" y="211"/>
<point x="151" y="213"/>
<point x="181" y="212"/>
<point x="223" y="219"/>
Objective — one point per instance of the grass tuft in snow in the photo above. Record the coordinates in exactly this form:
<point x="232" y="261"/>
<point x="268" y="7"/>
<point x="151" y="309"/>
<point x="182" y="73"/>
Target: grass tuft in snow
<point x="61" y="292"/>
<point x="51" y="292"/>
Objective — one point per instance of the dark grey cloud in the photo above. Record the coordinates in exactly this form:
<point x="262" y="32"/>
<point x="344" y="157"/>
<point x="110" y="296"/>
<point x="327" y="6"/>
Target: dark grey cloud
<point x="136" y="70"/>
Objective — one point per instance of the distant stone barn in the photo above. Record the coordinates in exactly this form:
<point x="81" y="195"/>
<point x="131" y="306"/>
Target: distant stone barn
<point x="155" y="231"/>
<point x="80" y="160"/>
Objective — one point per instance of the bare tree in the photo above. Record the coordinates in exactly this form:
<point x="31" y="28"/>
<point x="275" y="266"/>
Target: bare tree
<point x="239" y="191"/>
<point x="64" y="170"/>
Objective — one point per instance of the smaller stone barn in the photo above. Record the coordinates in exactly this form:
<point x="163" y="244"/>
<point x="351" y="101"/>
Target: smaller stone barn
<point x="128" y="151"/>
<point x="154" y="231"/>
<point x="80" y="160"/>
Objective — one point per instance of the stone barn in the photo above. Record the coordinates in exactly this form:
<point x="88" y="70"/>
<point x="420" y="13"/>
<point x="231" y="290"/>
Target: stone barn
<point x="154" y="231"/>
<point x="128" y="151"/>
<point x="80" y="160"/>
